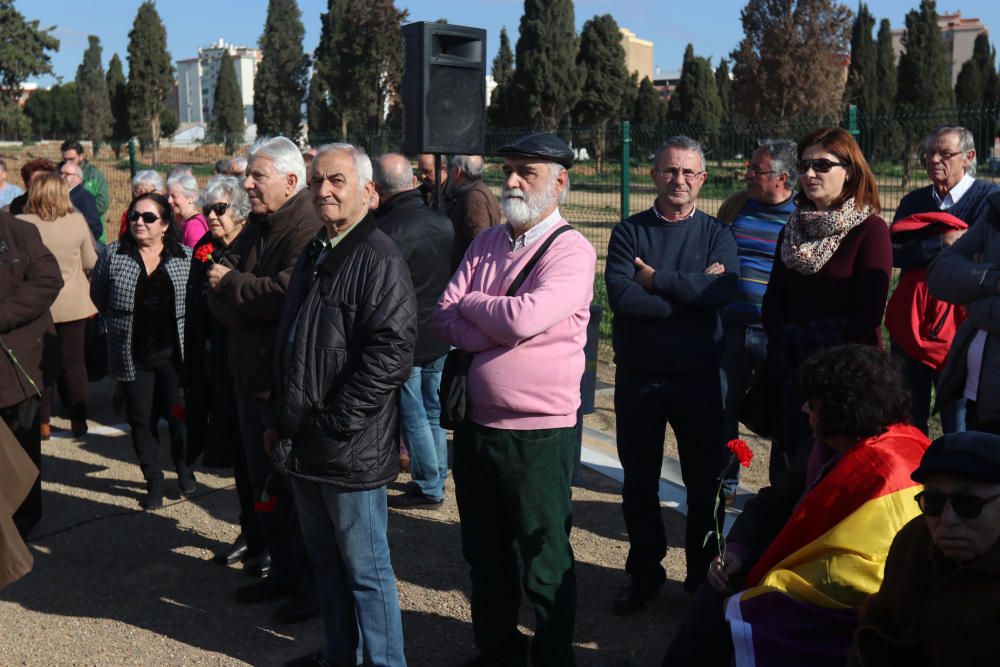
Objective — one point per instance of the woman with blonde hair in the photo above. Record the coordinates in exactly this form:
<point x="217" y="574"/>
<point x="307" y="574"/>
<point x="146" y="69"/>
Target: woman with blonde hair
<point x="65" y="233"/>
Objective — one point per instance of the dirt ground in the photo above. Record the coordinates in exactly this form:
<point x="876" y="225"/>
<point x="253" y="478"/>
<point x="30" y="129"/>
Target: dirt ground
<point x="113" y="585"/>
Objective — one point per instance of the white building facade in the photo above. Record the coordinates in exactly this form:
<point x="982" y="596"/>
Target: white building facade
<point x="196" y="78"/>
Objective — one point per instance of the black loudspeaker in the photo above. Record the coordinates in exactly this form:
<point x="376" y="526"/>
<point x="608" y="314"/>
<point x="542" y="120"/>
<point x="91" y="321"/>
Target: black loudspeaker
<point x="444" y="89"/>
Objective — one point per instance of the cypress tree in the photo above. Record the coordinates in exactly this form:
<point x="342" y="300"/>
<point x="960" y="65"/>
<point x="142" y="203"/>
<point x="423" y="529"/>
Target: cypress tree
<point x="54" y="113"/>
<point x="319" y="118"/>
<point x="674" y="110"/>
<point x="546" y="82"/>
<point x="323" y="104"/>
<point x="724" y="84"/>
<point x="922" y="72"/>
<point x="118" y="102"/>
<point x="862" y="77"/>
<point x="976" y="93"/>
<point x="150" y="75"/>
<point x="884" y="125"/>
<point x="601" y="60"/>
<point x="95" y="106"/>
<point x="695" y="102"/>
<point x="649" y="110"/>
<point x="228" y="124"/>
<point x="503" y="74"/>
<point x="280" y="84"/>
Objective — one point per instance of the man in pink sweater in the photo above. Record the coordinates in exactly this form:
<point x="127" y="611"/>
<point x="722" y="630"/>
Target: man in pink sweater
<point x="514" y="453"/>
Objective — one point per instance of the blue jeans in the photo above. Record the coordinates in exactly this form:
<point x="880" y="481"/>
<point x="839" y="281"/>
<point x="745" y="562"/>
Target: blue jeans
<point x="746" y="349"/>
<point x="919" y="380"/>
<point x="345" y="533"/>
<point x="420" y="420"/>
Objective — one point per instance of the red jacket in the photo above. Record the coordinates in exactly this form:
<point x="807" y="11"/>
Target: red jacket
<point x="919" y="323"/>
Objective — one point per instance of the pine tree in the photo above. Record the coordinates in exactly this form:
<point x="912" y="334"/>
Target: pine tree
<point x="95" y="105"/>
<point x="228" y="124"/>
<point x="787" y="65"/>
<point x="503" y="73"/>
<point x="724" y="84"/>
<point x="280" y="84"/>
<point x="150" y="75"/>
<point x="695" y="103"/>
<point x="601" y="60"/>
<point x="546" y="82"/>
<point x="118" y="100"/>
<point x="884" y="125"/>
<point x="862" y="77"/>
<point x="23" y="55"/>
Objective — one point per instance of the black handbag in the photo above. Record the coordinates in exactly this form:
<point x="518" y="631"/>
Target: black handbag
<point x="454" y="375"/>
<point x="95" y="348"/>
<point x="758" y="410"/>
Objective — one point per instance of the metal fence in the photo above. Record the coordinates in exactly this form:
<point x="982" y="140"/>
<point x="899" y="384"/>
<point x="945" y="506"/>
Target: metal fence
<point x="602" y="190"/>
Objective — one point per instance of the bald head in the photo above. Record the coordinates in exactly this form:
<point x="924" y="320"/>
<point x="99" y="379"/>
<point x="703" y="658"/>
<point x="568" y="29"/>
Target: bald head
<point x="393" y="174"/>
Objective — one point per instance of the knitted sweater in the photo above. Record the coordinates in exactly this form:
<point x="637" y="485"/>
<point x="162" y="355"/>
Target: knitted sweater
<point x="529" y="348"/>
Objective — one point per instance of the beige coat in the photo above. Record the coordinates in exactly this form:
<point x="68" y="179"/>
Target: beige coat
<point x="70" y="240"/>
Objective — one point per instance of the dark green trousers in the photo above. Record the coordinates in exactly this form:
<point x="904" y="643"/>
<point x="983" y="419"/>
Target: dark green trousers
<point x="514" y="487"/>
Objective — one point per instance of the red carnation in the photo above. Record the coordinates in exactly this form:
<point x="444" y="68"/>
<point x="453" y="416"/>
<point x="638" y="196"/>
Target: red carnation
<point x="178" y="412"/>
<point x="266" y="504"/>
<point x="204" y="253"/>
<point x="742" y="451"/>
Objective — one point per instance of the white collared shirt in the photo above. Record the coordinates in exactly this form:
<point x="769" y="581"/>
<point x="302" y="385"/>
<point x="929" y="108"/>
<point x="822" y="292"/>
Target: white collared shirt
<point x="535" y="233"/>
<point x="954" y="194"/>
<point x="659" y="215"/>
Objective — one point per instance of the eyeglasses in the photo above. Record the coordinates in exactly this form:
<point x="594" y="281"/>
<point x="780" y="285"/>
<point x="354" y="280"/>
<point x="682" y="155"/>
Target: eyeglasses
<point x="944" y="155"/>
<point x="754" y="170"/>
<point x="673" y="173"/>
<point x="820" y="166"/>
<point x="219" y="208"/>
<point x="147" y="217"/>
<point x="965" y="505"/>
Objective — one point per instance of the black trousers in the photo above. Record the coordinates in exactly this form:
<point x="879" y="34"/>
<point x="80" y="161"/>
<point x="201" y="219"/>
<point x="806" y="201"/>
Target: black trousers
<point x="156" y="373"/>
<point x="73" y="377"/>
<point x="23" y="420"/>
<point x="692" y="404"/>
<point x="974" y="423"/>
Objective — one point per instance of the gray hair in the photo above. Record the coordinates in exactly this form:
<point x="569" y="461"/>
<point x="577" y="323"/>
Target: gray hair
<point x="966" y="142"/>
<point x="238" y="163"/>
<point x="228" y="188"/>
<point x="222" y="166"/>
<point x="148" y="177"/>
<point x="396" y="176"/>
<point x="362" y="163"/>
<point x="74" y="167"/>
<point x="682" y="142"/>
<point x="178" y="170"/>
<point x="783" y="154"/>
<point x="186" y="182"/>
<point x="284" y="155"/>
<point x="471" y="166"/>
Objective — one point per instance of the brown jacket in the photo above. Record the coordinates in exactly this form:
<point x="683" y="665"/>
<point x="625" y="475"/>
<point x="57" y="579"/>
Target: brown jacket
<point x="29" y="283"/>
<point x="250" y="296"/>
<point x="473" y="209"/>
<point x="71" y="242"/>
<point x="929" y="611"/>
<point x="17" y="476"/>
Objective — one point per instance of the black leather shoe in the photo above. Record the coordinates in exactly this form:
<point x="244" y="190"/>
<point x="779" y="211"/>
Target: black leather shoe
<point x="257" y="565"/>
<point x="300" y="608"/>
<point x="262" y="591"/>
<point x="234" y="553"/>
<point x="412" y="499"/>
<point x="186" y="481"/>
<point x="633" y="598"/>
<point x="154" y="494"/>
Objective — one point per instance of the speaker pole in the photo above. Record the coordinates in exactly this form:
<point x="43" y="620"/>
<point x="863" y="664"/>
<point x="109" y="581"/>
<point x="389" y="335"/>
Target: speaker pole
<point x="437" y="182"/>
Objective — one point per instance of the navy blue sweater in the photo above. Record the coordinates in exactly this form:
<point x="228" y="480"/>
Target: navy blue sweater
<point x="676" y="326"/>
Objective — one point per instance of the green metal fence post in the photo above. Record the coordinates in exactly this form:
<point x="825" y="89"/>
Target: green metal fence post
<point x="626" y="167"/>
<point x="852" y="120"/>
<point x="131" y="157"/>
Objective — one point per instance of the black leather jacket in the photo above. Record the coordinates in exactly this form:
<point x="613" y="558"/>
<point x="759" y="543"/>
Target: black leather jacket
<point x="344" y="347"/>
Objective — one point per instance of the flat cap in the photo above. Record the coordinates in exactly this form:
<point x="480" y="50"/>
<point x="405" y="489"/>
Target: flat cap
<point x="971" y="455"/>
<point x="543" y="145"/>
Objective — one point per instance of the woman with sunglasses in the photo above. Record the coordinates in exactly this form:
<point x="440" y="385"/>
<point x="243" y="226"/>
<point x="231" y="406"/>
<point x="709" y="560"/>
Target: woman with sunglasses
<point x="830" y="277"/>
<point x="213" y="427"/>
<point x="939" y="603"/>
<point x="807" y="551"/>
<point x="65" y="233"/>
<point x="140" y="286"/>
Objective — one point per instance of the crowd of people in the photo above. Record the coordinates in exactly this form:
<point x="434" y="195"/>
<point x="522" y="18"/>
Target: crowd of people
<point x="312" y="319"/>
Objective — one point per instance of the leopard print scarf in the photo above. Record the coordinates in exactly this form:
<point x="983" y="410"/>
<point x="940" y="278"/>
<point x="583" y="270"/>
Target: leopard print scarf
<point x="811" y="237"/>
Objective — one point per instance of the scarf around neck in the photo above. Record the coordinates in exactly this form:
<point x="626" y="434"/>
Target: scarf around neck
<point x="811" y="237"/>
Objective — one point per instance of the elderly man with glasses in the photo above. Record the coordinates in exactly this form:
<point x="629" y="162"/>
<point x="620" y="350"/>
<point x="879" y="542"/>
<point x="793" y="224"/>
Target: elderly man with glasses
<point x="82" y="200"/>
<point x="940" y="598"/>
<point x="670" y="270"/>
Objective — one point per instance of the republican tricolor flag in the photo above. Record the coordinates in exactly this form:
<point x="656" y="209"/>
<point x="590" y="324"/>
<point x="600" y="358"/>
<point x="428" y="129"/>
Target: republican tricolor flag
<point x="804" y="595"/>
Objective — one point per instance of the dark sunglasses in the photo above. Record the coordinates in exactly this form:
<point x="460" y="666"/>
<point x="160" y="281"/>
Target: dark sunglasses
<point x="965" y="505"/>
<point x="820" y="166"/>
<point x="219" y="208"/>
<point x="147" y="217"/>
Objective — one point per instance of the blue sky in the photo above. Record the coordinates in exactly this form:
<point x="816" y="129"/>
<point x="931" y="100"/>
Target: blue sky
<point x="712" y="26"/>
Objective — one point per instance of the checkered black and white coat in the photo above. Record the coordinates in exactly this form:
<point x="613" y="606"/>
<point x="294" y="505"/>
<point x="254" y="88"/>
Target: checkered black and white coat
<point x="112" y="289"/>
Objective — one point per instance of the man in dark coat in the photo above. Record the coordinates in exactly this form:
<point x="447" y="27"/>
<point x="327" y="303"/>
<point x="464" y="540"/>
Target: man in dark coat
<point x="426" y="239"/>
<point x="344" y="347"/>
<point x="30" y="280"/>
<point x="81" y="199"/>
<point x="472" y="206"/>
<point x="247" y="294"/>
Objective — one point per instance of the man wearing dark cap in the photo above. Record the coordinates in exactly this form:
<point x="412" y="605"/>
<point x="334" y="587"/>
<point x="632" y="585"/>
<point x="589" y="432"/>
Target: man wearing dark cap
<point x="514" y="452"/>
<point x="939" y="603"/>
<point x="670" y="270"/>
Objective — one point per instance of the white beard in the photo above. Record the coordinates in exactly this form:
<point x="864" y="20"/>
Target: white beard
<point x="522" y="209"/>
